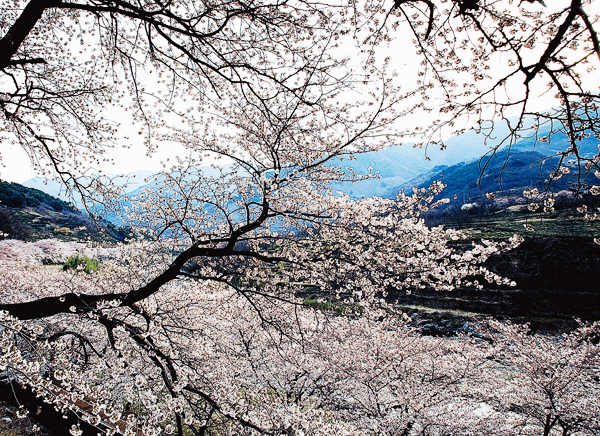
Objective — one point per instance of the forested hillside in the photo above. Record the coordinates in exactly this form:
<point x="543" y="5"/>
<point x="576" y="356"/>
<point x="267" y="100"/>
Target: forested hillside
<point x="30" y="214"/>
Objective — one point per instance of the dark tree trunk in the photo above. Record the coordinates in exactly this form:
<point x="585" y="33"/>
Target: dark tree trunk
<point x="10" y="43"/>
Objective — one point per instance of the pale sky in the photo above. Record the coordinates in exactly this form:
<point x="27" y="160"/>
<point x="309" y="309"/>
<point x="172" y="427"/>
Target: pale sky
<point x="15" y="165"/>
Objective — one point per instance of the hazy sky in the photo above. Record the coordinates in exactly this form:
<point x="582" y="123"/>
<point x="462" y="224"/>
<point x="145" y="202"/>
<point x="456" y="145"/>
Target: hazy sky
<point x="16" y="166"/>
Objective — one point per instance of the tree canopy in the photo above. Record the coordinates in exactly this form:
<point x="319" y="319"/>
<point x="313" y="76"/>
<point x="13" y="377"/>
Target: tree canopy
<point x="64" y="63"/>
<point x="202" y="324"/>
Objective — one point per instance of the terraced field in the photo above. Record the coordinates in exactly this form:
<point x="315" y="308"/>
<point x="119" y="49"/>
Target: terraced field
<point x="556" y="270"/>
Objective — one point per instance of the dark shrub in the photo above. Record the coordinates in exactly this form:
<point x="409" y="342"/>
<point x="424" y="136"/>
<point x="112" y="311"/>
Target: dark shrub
<point x="12" y="226"/>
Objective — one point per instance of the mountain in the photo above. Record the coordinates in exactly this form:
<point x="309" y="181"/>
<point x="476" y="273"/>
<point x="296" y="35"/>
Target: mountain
<point x="30" y="214"/>
<point x="506" y="171"/>
<point x="400" y="164"/>
<point x="14" y="195"/>
<point x="129" y="182"/>
<point x="557" y="143"/>
<point x="465" y="180"/>
<point x="404" y="166"/>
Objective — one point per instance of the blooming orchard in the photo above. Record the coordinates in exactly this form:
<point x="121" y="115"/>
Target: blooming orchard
<point x="224" y="362"/>
<point x="205" y="326"/>
<point x="202" y="325"/>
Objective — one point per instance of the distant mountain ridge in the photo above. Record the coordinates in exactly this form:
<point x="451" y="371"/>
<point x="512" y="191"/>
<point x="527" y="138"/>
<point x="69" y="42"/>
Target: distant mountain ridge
<point x="402" y="164"/>
<point x="130" y="182"/>
<point x="395" y="165"/>
<point x="405" y="166"/>
<point x="398" y="164"/>
<point x="524" y="166"/>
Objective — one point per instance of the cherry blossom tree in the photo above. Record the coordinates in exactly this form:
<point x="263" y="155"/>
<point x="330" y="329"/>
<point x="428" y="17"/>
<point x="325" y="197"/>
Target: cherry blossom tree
<point x="541" y="50"/>
<point x="185" y="318"/>
<point x="64" y="61"/>
<point x="553" y="381"/>
<point x="203" y="324"/>
<point x="232" y="368"/>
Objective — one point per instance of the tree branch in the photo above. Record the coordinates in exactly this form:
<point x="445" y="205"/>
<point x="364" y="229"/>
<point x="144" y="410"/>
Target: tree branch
<point x="10" y="43"/>
<point x="574" y="11"/>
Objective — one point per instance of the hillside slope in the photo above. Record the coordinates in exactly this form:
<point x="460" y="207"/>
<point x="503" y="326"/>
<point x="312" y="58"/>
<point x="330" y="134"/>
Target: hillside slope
<point x="30" y="214"/>
<point x="505" y="173"/>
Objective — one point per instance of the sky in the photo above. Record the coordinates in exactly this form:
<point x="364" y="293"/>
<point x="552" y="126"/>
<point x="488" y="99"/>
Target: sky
<point x="15" y="165"/>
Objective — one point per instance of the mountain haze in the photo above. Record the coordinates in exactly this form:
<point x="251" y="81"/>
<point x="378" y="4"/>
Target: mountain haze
<point x="398" y="167"/>
<point x="524" y="166"/>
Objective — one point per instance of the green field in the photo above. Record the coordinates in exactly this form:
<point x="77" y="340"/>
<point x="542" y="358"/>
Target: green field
<point x="504" y="224"/>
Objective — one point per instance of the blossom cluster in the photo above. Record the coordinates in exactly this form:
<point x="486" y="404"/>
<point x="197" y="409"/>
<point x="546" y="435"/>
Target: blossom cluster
<point x="248" y="365"/>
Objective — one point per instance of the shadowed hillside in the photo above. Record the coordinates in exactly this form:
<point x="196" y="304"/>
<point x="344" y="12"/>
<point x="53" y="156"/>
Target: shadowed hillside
<point x="29" y="214"/>
<point x="556" y="281"/>
<point x="507" y="172"/>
